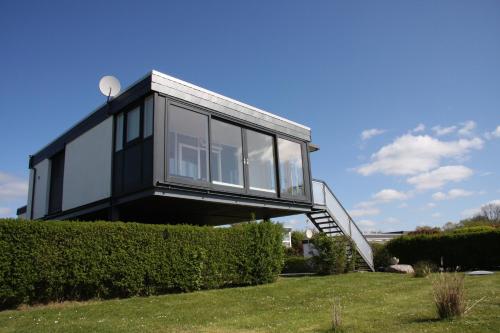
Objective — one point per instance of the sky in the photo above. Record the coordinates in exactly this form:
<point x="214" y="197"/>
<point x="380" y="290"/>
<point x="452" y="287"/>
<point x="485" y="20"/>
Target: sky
<point x="403" y="97"/>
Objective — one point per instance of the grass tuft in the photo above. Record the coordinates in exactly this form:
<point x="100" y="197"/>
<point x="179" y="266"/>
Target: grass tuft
<point x="449" y="295"/>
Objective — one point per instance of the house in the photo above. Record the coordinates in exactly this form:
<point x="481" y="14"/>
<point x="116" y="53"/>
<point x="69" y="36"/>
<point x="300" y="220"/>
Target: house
<point x="167" y="151"/>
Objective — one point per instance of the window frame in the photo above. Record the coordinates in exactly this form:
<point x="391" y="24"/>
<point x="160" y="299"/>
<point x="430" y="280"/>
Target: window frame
<point x="176" y="179"/>
<point x="305" y="179"/>
<point x="222" y="187"/>
<point x="244" y="126"/>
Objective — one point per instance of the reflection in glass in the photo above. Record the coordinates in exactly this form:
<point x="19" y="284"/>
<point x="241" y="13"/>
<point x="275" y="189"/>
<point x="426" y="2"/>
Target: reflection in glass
<point x="226" y="164"/>
<point x="119" y="132"/>
<point x="261" y="172"/>
<point x="188" y="144"/>
<point x="291" y="168"/>
<point x="133" y="123"/>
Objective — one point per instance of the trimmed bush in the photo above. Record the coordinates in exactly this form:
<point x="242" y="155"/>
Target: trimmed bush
<point x="298" y="264"/>
<point x="468" y="249"/>
<point x="332" y="254"/>
<point x="381" y="256"/>
<point x="62" y="260"/>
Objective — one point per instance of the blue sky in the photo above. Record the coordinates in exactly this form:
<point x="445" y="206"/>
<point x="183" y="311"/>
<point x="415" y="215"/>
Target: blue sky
<point x="340" y="67"/>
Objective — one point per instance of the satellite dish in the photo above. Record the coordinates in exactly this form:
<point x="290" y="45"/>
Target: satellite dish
<point x="109" y="86"/>
<point x="309" y="233"/>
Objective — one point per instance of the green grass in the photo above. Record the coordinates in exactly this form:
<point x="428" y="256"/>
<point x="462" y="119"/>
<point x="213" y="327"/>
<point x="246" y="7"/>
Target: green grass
<point x="372" y="302"/>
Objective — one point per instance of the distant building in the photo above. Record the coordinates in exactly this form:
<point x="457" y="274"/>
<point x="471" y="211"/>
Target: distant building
<point x="383" y="237"/>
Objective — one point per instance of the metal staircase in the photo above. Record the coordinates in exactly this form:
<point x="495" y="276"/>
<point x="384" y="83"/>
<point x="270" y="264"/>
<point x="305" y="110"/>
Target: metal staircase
<point x="329" y="216"/>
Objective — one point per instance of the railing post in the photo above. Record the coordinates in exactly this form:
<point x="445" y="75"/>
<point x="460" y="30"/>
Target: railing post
<point x="324" y="193"/>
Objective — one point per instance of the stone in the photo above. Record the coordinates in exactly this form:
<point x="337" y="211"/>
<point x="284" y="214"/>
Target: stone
<point x="403" y="269"/>
<point x="394" y="261"/>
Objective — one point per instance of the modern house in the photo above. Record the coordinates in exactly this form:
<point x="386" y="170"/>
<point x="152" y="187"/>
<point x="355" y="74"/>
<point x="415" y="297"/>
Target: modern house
<point x="167" y="151"/>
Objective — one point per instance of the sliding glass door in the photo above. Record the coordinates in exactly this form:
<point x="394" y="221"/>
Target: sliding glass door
<point x="214" y="153"/>
<point x="260" y="162"/>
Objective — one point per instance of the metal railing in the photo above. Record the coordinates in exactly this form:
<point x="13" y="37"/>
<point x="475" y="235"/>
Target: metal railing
<point x="323" y="196"/>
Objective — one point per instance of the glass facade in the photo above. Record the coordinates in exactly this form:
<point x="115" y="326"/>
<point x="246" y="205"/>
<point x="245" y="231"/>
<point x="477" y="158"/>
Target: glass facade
<point x="188" y="144"/>
<point x="226" y="160"/>
<point x="291" y="168"/>
<point x="261" y="168"/>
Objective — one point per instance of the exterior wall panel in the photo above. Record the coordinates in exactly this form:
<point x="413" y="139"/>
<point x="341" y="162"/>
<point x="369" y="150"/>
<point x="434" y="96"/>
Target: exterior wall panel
<point x="42" y="181"/>
<point x="88" y="166"/>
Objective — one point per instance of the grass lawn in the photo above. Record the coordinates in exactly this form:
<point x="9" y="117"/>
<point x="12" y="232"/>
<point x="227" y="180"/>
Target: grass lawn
<point x="372" y="302"/>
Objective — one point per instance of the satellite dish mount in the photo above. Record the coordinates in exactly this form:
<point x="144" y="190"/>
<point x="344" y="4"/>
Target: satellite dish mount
<point x="109" y="86"/>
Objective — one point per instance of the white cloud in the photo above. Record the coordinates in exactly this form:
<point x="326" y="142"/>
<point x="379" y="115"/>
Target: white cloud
<point x="440" y="176"/>
<point x="364" y="211"/>
<point x="403" y="205"/>
<point x="410" y="154"/>
<point x="431" y="205"/>
<point x="452" y="194"/>
<point x="12" y="187"/>
<point x="370" y="133"/>
<point x="440" y="131"/>
<point x="366" y="225"/>
<point x="493" y="134"/>
<point x="420" y="128"/>
<point x="467" y="128"/>
<point x="388" y="195"/>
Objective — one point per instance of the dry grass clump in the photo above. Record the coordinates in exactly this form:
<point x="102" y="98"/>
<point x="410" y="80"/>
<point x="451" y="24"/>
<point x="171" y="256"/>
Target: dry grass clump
<point x="336" y="316"/>
<point x="449" y="295"/>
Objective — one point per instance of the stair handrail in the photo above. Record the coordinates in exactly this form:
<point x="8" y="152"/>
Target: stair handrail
<point x="351" y="221"/>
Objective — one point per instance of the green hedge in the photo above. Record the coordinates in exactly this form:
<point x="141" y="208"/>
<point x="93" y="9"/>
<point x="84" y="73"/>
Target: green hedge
<point x="469" y="249"/>
<point x="298" y="264"/>
<point x="56" y="260"/>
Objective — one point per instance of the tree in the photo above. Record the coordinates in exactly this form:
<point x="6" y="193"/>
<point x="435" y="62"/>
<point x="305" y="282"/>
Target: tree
<point x="491" y="211"/>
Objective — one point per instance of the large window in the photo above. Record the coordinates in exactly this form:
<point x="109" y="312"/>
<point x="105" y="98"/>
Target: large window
<point x="291" y="168"/>
<point x="133" y="124"/>
<point x="226" y="164"/>
<point x="188" y="144"/>
<point x="261" y="170"/>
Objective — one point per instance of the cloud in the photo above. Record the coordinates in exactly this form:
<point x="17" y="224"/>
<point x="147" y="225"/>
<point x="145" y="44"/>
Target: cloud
<point x="493" y="134"/>
<point x="388" y="195"/>
<point x="364" y="211"/>
<point x="431" y="205"/>
<point x="440" y="131"/>
<point x="420" y="128"/>
<point x="440" y="176"/>
<point x="467" y="128"/>
<point x="436" y="215"/>
<point x="12" y="187"/>
<point x="370" y="133"/>
<point x="452" y="194"/>
<point x="410" y="154"/>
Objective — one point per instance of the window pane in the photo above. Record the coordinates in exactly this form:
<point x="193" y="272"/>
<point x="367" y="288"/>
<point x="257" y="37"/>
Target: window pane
<point x="188" y="144"/>
<point x="119" y="132"/>
<point x="148" y="116"/>
<point x="291" y="168"/>
<point x="133" y="123"/>
<point x="227" y="154"/>
<point x="261" y="171"/>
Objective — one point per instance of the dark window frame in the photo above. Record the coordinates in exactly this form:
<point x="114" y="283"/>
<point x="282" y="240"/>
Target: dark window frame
<point x="244" y="125"/>
<point x="303" y="154"/>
